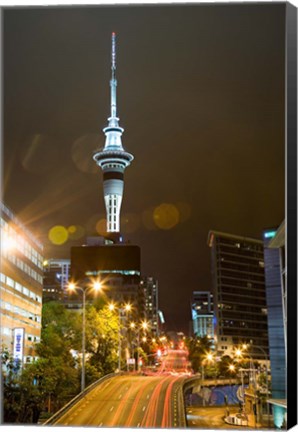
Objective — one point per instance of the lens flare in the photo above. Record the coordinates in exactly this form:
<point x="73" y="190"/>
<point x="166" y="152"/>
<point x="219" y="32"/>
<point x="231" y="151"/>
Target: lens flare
<point x="101" y="226"/>
<point x="58" y="235"/>
<point x="166" y="216"/>
<point x="75" y="232"/>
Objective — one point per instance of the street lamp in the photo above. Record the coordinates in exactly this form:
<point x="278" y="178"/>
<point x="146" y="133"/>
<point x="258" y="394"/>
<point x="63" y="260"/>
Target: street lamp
<point x="232" y="369"/>
<point x="143" y="325"/>
<point x="246" y="346"/>
<point x="209" y="359"/>
<point x="96" y="286"/>
<point x="121" y="309"/>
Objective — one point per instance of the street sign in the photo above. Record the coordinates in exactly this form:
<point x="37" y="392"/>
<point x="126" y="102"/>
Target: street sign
<point x="131" y="361"/>
<point x="18" y="344"/>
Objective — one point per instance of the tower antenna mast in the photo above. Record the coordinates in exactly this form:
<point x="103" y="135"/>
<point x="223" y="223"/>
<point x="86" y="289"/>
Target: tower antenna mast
<point x="113" y="159"/>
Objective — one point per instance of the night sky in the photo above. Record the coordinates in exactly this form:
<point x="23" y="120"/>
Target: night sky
<point x="201" y="99"/>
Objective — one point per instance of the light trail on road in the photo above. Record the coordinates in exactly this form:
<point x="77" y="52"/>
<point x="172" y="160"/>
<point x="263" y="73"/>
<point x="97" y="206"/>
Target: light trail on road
<point x="132" y="401"/>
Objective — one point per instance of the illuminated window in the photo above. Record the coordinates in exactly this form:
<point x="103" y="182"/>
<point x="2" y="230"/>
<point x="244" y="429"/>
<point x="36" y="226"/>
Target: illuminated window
<point x="10" y="282"/>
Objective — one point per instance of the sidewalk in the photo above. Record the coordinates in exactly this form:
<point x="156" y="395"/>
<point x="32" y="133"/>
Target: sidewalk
<point x="213" y="418"/>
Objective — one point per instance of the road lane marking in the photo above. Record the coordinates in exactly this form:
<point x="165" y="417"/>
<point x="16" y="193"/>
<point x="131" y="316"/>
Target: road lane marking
<point x="100" y="424"/>
<point x="148" y="396"/>
<point x="111" y="409"/>
<point x="144" y="407"/>
<point x="120" y="396"/>
<point x="138" y="425"/>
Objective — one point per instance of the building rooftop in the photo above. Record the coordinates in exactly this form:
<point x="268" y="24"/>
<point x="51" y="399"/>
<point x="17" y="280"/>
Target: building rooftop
<point x="212" y="234"/>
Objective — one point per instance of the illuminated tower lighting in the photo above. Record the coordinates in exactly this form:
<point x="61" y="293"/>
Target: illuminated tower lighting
<point x="113" y="159"/>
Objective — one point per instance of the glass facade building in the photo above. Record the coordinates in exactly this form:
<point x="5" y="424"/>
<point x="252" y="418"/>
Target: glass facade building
<point x="239" y="293"/>
<point x="275" y="276"/>
<point x="21" y="287"/>
<point x="202" y="314"/>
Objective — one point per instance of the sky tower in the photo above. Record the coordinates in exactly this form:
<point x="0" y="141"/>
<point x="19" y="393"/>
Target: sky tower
<point x="113" y="159"/>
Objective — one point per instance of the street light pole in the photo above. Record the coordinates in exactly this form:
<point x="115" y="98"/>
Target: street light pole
<point x="119" y="342"/>
<point x="267" y="383"/>
<point x="96" y="286"/>
<point x="83" y="341"/>
<point x="127" y="307"/>
<point x="203" y="384"/>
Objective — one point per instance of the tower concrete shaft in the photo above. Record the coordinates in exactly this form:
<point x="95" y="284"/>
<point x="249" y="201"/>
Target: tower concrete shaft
<point x="113" y="159"/>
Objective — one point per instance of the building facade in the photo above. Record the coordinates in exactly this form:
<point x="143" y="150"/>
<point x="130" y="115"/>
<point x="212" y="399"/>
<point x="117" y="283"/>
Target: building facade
<point x="239" y="291"/>
<point x="275" y="276"/>
<point x="202" y="314"/>
<point x="56" y="277"/>
<point x="117" y="266"/>
<point x="149" y="285"/>
<point x="21" y="288"/>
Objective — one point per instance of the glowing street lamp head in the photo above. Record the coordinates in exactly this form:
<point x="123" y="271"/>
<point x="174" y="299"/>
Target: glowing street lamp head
<point x="238" y="352"/>
<point x="244" y="346"/>
<point x="144" y="325"/>
<point x="209" y="357"/>
<point x="71" y="286"/>
<point x="132" y="325"/>
<point x="97" y="286"/>
<point x="127" y="307"/>
<point x="231" y="367"/>
<point x="111" y="306"/>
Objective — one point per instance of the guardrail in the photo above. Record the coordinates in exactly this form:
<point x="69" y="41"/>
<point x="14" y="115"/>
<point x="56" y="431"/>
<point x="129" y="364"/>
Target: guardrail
<point x="182" y="408"/>
<point x="59" y="413"/>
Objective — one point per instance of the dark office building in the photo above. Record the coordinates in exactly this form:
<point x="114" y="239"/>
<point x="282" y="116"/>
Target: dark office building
<point x="55" y="280"/>
<point x="239" y="293"/>
<point x="117" y="266"/>
<point x="275" y="275"/>
<point x="149" y="285"/>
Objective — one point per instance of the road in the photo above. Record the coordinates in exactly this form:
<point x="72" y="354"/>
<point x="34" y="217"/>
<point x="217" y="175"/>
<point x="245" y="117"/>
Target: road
<point x="210" y="418"/>
<point x="176" y="361"/>
<point x="129" y="401"/>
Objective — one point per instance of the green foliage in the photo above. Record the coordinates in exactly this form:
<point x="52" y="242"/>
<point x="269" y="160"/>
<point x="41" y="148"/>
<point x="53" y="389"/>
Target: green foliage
<point x="197" y="349"/>
<point x="102" y="333"/>
<point x="55" y="377"/>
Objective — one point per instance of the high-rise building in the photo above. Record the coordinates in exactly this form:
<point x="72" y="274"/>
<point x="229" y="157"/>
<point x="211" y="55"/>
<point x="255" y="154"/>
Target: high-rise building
<point x="21" y="287"/>
<point x="202" y="314"/>
<point x="240" y="307"/>
<point x="118" y="268"/>
<point x="113" y="159"/>
<point x="150" y="288"/>
<point x="275" y="276"/>
<point x="56" y="277"/>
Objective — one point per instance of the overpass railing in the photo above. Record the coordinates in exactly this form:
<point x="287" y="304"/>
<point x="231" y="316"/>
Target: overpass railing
<point x="78" y="397"/>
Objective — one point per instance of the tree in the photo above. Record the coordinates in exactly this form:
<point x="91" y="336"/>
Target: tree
<point x="197" y="349"/>
<point x="102" y="336"/>
<point x="224" y="366"/>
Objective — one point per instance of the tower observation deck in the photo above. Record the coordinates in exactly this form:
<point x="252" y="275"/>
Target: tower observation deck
<point x="113" y="159"/>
